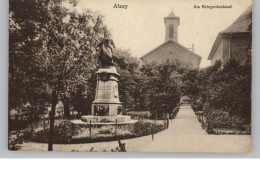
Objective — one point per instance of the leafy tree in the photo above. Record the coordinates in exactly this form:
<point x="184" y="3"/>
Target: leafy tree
<point x="164" y="85"/>
<point x="56" y="51"/>
<point x="190" y="83"/>
<point x="224" y="89"/>
<point x="130" y="80"/>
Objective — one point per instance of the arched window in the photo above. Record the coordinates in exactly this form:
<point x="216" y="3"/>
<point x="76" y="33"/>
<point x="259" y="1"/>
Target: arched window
<point x="171" y="32"/>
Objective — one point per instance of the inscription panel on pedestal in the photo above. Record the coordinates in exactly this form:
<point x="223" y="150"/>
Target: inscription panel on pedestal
<point x="104" y="90"/>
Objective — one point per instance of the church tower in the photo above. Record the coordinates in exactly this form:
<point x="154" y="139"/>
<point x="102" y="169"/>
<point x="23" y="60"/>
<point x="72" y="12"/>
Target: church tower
<point x="171" y="27"/>
<point x="171" y="49"/>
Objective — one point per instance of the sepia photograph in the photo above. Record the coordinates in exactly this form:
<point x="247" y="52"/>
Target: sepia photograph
<point x="130" y="75"/>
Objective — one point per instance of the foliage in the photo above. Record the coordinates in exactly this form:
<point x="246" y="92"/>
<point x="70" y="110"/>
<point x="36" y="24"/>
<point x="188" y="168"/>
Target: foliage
<point x="142" y="128"/>
<point x="52" y="52"/>
<point x="67" y="132"/>
<point x="52" y="48"/>
<point x="139" y="114"/>
<point x="131" y="82"/>
<point x="223" y="92"/>
<point x="105" y="121"/>
<point x="14" y="139"/>
<point x="175" y="112"/>
<point x="120" y="148"/>
<point x="163" y="85"/>
<point x="105" y="131"/>
<point x="53" y="57"/>
<point x="217" y="118"/>
<point x="190" y="84"/>
<point x="63" y="133"/>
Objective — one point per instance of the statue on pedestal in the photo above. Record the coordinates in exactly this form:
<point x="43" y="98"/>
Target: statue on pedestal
<point x="106" y="48"/>
<point x="106" y="106"/>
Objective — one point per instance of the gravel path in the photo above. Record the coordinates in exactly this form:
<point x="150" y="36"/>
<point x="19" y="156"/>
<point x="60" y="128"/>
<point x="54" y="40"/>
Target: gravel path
<point x="183" y="135"/>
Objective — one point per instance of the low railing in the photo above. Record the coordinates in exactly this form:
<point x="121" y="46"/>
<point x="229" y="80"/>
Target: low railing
<point x="205" y="124"/>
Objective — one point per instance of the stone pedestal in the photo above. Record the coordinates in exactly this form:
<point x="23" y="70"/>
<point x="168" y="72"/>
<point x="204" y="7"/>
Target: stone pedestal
<point x="106" y="106"/>
<point x="105" y="119"/>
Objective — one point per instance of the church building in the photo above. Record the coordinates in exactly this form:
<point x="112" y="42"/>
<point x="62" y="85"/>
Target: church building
<point x="171" y="49"/>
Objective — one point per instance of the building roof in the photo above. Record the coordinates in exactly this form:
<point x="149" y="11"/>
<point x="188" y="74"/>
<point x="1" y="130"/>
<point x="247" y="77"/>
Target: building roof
<point x="175" y="43"/>
<point x="240" y="25"/>
<point x="172" y="15"/>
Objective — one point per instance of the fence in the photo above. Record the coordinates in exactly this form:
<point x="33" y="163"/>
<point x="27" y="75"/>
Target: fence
<point x="219" y="127"/>
<point x="204" y="122"/>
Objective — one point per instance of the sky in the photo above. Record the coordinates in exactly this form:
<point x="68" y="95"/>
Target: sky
<point x="140" y="27"/>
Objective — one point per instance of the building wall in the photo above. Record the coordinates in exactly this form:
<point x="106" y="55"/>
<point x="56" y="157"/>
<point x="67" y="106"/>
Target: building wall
<point x="232" y="46"/>
<point x="174" y="24"/>
<point x="171" y="51"/>
<point x="239" y="45"/>
<point x="218" y="54"/>
<point x="226" y="43"/>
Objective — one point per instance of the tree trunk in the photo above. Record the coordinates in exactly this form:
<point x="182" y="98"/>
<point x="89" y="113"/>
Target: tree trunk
<point x="44" y="124"/>
<point x="135" y="104"/>
<point x="32" y="126"/>
<point x="66" y="106"/>
<point x="51" y="116"/>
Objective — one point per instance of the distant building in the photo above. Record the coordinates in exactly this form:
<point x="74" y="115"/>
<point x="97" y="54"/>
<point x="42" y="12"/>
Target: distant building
<point x="235" y="41"/>
<point x="171" y="49"/>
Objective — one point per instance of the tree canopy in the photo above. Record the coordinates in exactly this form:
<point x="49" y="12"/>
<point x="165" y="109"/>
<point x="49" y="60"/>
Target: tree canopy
<point x="52" y="50"/>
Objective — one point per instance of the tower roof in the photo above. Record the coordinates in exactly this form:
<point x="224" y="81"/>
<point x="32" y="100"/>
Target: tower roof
<point x="172" y="16"/>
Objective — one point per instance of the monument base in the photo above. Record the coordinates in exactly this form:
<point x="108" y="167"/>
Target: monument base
<point x="106" y="108"/>
<point x="96" y="119"/>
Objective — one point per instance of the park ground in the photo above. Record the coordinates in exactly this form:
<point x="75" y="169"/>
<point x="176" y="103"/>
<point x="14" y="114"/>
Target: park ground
<point x="184" y="134"/>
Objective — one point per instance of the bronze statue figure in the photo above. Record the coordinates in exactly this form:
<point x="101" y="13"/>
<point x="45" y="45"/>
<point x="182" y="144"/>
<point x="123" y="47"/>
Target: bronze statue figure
<point x="106" y="52"/>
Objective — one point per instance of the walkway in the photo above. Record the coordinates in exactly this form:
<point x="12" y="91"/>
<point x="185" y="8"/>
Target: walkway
<point x="183" y="135"/>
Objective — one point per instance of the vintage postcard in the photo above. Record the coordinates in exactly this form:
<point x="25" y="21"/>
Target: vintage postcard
<point x="130" y="75"/>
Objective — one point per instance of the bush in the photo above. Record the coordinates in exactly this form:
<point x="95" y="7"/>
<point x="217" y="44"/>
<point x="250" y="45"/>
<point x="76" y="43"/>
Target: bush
<point x="105" y="131"/>
<point x="62" y="133"/>
<point x="68" y="133"/>
<point x="175" y="112"/>
<point x="139" y="114"/>
<point x="14" y="139"/>
<point x="217" y="118"/>
<point x="142" y="128"/>
<point x="223" y="93"/>
<point x="105" y="121"/>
